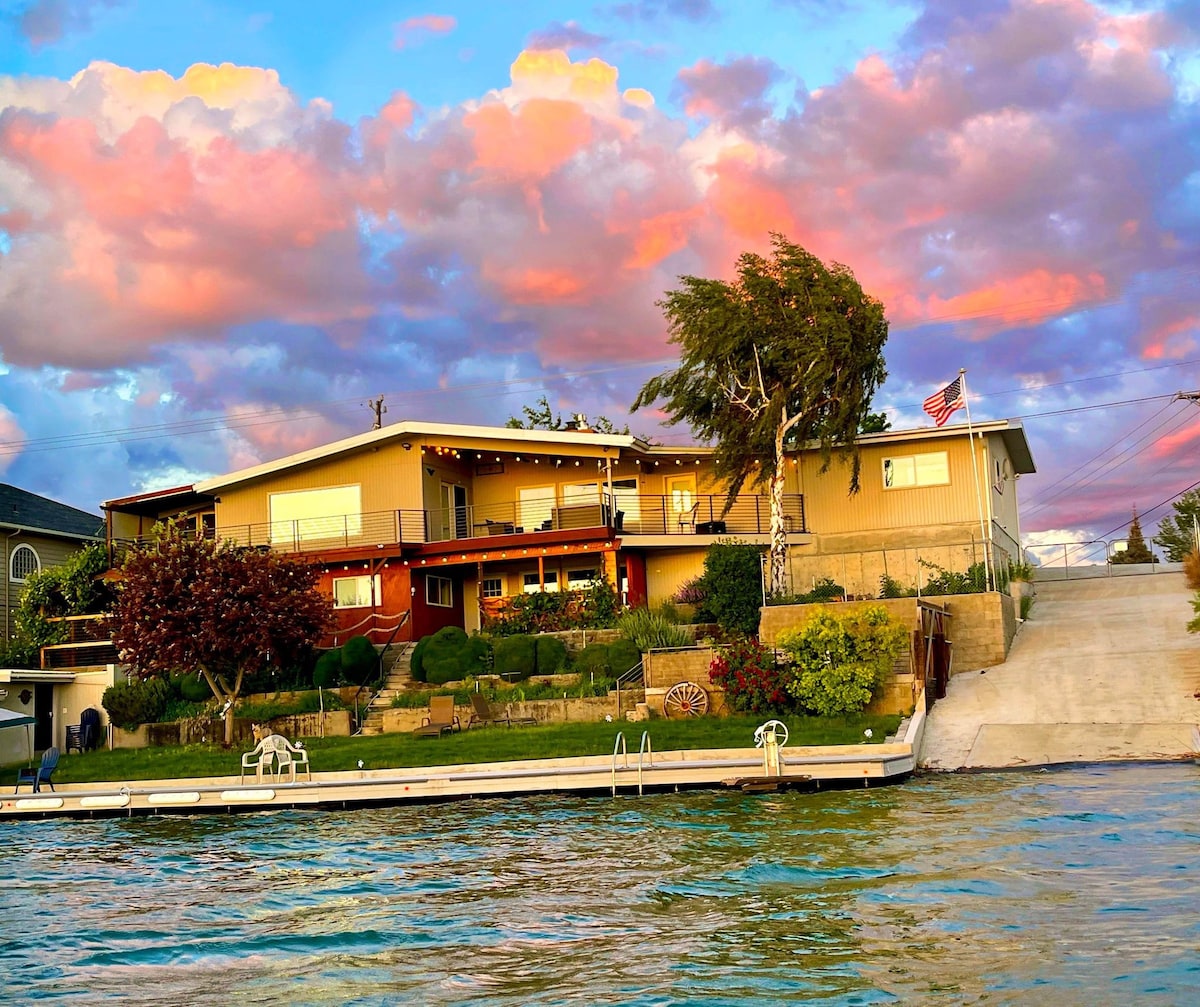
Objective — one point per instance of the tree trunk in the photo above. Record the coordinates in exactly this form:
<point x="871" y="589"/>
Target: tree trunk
<point x="779" y="545"/>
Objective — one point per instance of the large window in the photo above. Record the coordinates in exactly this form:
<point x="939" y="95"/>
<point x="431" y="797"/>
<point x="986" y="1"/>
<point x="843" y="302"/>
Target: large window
<point x="23" y="562"/>
<point x="439" y="591"/>
<point x="305" y="515"/>
<point x="532" y="586"/>
<point x="931" y="469"/>
<point x="579" y="580"/>
<point x="356" y="592"/>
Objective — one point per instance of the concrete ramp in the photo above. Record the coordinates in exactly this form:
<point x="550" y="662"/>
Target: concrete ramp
<point x="1104" y="669"/>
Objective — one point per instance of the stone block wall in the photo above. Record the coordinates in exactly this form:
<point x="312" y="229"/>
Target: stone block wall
<point x="663" y="668"/>
<point x="981" y="626"/>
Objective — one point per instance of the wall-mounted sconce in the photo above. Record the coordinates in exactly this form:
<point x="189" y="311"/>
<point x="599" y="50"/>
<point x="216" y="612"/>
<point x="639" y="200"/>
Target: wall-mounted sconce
<point x="406" y="445"/>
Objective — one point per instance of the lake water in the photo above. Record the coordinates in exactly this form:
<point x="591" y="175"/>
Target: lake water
<point x="1073" y="887"/>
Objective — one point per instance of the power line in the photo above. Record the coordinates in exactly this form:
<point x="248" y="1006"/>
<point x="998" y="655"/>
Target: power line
<point x="1043" y="501"/>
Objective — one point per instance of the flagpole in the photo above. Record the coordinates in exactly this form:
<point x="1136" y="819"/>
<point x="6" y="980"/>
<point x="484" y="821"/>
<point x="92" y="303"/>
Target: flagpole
<point x="987" y="548"/>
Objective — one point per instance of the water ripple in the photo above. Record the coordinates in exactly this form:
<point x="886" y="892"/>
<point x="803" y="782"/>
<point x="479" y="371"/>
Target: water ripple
<point x="1064" y="888"/>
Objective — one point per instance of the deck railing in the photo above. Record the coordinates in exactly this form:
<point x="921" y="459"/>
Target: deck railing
<point x="627" y="514"/>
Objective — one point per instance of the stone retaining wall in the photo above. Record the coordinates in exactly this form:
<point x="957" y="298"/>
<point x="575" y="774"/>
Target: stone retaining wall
<point x="544" y="711"/>
<point x="187" y="732"/>
<point x="981" y="626"/>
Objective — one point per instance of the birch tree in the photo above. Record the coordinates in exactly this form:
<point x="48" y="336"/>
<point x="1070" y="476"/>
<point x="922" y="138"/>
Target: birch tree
<point x="789" y="353"/>
<point x="188" y="604"/>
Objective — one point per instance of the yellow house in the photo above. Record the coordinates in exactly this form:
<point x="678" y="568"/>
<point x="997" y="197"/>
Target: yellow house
<point x="439" y="522"/>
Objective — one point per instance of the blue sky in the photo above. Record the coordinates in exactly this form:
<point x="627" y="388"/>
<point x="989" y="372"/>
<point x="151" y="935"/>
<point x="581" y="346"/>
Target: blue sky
<point x="224" y="226"/>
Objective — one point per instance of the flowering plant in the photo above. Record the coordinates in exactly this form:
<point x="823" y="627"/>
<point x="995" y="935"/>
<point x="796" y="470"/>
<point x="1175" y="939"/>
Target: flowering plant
<point x="746" y="671"/>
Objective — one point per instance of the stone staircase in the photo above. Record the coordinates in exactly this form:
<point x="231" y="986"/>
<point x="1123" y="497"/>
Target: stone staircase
<point x="399" y="678"/>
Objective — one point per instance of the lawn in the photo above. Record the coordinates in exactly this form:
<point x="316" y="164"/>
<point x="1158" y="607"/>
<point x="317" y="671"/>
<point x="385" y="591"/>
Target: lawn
<point x="490" y="744"/>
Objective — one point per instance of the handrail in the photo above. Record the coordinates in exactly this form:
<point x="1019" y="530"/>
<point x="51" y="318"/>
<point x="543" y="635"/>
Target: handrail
<point x="618" y="745"/>
<point x="382" y="682"/>
<point x="635" y="674"/>
<point x="644" y="749"/>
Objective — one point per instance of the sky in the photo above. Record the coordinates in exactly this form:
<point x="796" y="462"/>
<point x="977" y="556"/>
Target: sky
<point x="226" y="226"/>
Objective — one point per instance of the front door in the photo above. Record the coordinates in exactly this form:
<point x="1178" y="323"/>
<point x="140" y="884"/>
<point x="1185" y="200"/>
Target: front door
<point x="43" y="709"/>
<point x="456" y="518"/>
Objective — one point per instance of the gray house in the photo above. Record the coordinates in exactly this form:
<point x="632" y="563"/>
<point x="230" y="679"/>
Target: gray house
<point x="35" y="533"/>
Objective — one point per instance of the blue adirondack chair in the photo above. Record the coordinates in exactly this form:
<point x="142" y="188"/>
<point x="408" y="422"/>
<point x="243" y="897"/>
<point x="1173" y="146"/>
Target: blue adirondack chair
<point x="36" y="777"/>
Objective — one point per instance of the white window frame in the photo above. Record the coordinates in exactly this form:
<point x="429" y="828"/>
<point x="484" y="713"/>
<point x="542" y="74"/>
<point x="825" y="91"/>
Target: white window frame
<point x="330" y="512"/>
<point x="373" y="592"/>
<point x="432" y="580"/>
<point x="536" y="506"/>
<point x="18" y="550"/>
<point x="496" y="591"/>
<point x="574" y="583"/>
<point x="550" y="579"/>
<point x="907" y="472"/>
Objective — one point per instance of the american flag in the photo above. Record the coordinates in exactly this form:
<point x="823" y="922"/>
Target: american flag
<point x="941" y="404"/>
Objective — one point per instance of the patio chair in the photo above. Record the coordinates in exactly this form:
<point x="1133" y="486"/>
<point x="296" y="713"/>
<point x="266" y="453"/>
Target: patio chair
<point x="275" y="755"/>
<point x="440" y="720"/>
<point x="687" y="518"/>
<point x="482" y="713"/>
<point x="36" y="777"/>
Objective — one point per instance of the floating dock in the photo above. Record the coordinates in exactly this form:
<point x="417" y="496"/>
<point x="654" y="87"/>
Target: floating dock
<point x="623" y="772"/>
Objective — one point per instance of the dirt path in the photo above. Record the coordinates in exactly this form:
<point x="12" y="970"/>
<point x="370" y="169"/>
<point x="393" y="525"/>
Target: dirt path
<point x="1103" y="669"/>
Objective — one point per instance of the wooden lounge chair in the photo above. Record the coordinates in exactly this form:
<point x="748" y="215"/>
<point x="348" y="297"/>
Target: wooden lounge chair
<point x="440" y="720"/>
<point x="36" y="777"/>
<point x="482" y="712"/>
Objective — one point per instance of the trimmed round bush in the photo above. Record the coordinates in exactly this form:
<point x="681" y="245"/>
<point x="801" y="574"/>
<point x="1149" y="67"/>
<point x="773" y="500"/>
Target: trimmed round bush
<point x="131" y="704"/>
<point x="416" y="662"/>
<point x="593" y="658"/>
<point x="360" y="660"/>
<point x="328" y="668"/>
<point x="551" y="655"/>
<point x="515" y="656"/>
<point x="443" y="659"/>
<point x="192" y="687"/>
<point x="622" y="655"/>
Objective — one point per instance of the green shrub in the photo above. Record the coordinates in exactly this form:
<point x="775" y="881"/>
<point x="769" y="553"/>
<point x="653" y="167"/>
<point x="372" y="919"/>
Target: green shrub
<point x="889" y="587"/>
<point x="131" y="704"/>
<point x="593" y="659"/>
<point x="416" y="662"/>
<point x="328" y="670"/>
<point x="733" y="585"/>
<point x="942" y="581"/>
<point x="1026" y="606"/>
<point x="446" y="657"/>
<point x="515" y="656"/>
<point x="360" y="660"/>
<point x="840" y="661"/>
<point x="622" y="655"/>
<point x="551" y="655"/>
<point x="648" y="630"/>
<point x="192" y="687"/>
<point x="1194" y="625"/>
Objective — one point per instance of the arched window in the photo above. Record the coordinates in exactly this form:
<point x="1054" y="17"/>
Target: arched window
<point x="23" y="562"/>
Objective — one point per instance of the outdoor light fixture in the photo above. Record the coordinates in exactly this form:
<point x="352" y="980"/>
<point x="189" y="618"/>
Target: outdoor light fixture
<point x="406" y="445"/>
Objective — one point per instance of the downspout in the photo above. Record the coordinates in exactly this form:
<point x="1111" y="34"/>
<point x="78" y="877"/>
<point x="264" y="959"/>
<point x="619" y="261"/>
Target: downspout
<point x="8" y="583"/>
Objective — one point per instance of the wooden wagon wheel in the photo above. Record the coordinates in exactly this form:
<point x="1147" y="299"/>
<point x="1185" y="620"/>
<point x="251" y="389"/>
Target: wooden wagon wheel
<point x="685" y="699"/>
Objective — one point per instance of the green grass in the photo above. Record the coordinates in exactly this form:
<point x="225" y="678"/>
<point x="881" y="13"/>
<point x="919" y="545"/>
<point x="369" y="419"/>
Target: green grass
<point x="490" y="744"/>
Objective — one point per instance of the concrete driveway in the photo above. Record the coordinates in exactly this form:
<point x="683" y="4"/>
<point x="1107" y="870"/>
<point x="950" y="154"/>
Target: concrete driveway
<point x="1103" y="669"/>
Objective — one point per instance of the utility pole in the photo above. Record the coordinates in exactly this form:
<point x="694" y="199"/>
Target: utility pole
<point x="378" y="408"/>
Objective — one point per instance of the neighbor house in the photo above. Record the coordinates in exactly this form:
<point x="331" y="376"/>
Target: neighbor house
<point x="36" y="533"/>
<point x="419" y="525"/>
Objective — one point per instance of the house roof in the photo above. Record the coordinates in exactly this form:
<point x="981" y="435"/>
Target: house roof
<point x="1009" y="431"/>
<point x="25" y="511"/>
<point x="415" y="428"/>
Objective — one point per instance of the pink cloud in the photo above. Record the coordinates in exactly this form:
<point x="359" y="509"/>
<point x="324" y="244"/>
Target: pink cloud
<point x="416" y="29"/>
